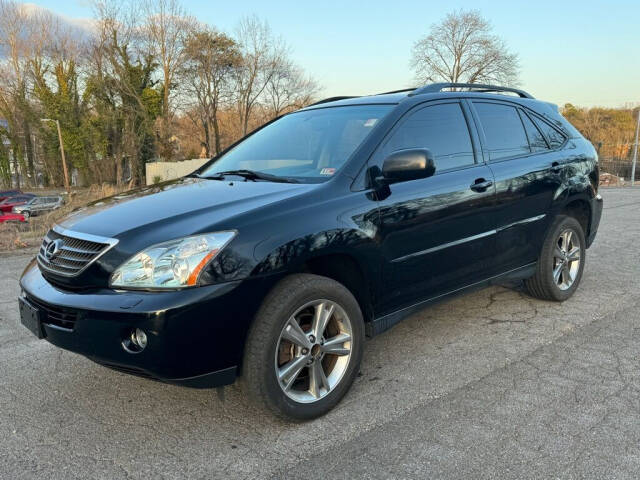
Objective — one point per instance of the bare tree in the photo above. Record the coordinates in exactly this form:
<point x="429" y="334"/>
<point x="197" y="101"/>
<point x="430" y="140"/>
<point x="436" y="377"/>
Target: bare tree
<point x="211" y="60"/>
<point x="166" y="27"/>
<point x="123" y="88"/>
<point x="288" y="89"/>
<point x="462" y="48"/>
<point x="16" y="31"/>
<point x="262" y="55"/>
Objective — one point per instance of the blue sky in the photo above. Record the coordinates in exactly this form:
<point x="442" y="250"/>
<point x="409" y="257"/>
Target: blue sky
<point x="583" y="52"/>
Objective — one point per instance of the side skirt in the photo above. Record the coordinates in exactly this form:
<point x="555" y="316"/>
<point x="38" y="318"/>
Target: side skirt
<point x="384" y="323"/>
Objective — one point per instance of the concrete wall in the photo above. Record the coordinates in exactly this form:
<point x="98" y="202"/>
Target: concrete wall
<point x="171" y="170"/>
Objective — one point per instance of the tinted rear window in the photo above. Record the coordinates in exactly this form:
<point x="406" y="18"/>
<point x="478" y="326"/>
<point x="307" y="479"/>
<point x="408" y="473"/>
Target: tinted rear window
<point x="503" y="130"/>
<point x="556" y="139"/>
<point x="536" y="139"/>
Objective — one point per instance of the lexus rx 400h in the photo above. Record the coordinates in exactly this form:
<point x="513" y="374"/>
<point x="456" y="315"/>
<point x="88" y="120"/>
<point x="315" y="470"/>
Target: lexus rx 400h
<point x="275" y="260"/>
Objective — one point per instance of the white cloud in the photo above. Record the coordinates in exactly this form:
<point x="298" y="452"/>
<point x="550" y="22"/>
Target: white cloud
<point x="85" y="25"/>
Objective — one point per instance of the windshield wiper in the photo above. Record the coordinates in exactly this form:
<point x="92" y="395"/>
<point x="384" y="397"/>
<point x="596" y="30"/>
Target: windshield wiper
<point x="251" y="175"/>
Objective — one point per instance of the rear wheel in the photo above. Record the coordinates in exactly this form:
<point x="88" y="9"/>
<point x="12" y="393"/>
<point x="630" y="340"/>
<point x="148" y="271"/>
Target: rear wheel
<point x="304" y="348"/>
<point x="561" y="261"/>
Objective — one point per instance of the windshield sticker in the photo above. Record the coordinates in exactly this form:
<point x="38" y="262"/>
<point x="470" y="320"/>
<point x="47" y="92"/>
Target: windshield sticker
<point x="327" y="171"/>
<point x="371" y="122"/>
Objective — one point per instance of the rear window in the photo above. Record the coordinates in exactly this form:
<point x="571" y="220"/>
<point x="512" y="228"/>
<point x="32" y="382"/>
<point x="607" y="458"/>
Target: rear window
<point x="503" y="130"/>
<point x="536" y="139"/>
<point x="555" y="138"/>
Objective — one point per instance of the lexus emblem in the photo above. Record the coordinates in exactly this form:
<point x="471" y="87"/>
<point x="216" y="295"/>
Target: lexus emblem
<point x="53" y="249"/>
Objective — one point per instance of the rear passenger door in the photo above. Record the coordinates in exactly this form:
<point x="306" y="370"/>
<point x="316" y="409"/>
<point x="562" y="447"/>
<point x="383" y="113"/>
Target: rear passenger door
<point x="436" y="233"/>
<point x="528" y="171"/>
<point x="36" y="205"/>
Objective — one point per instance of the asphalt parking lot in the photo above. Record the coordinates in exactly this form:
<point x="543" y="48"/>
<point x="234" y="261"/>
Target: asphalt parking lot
<point x="490" y="385"/>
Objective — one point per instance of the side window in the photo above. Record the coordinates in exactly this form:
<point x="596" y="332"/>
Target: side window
<point x="536" y="139"/>
<point x="503" y="130"/>
<point x="556" y="139"/>
<point x="442" y="129"/>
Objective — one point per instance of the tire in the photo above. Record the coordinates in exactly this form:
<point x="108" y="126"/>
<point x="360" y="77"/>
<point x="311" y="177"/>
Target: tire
<point x="269" y="350"/>
<point x="545" y="283"/>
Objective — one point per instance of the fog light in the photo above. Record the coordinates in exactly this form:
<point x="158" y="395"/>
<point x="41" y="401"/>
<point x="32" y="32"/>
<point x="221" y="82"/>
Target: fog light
<point x="135" y="342"/>
<point x="139" y="338"/>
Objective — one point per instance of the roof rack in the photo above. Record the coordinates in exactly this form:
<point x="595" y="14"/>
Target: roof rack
<point x="397" y="91"/>
<point x="331" y="99"/>
<point x="478" y="87"/>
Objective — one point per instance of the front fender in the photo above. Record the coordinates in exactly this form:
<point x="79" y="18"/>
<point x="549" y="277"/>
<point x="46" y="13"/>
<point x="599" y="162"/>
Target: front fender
<point x="293" y="254"/>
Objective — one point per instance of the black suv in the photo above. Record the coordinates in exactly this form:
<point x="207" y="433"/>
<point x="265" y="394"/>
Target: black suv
<point x="275" y="260"/>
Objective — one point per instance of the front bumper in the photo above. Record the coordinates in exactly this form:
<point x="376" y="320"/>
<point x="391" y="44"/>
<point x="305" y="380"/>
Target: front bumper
<point x="594" y="221"/>
<point x="195" y="336"/>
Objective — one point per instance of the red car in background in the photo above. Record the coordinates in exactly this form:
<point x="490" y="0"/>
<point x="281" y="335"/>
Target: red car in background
<point x="12" y="217"/>
<point x="7" y="204"/>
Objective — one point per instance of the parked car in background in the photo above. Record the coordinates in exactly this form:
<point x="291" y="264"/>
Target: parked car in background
<point x="39" y="205"/>
<point x="9" y="193"/>
<point x="8" y="203"/>
<point x="12" y="217"/>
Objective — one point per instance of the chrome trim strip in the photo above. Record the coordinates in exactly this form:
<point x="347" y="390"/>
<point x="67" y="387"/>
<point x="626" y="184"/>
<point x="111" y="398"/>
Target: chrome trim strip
<point x="445" y="245"/>
<point x="467" y="239"/>
<point x="522" y="222"/>
<point x="110" y="242"/>
<point x="84" y="236"/>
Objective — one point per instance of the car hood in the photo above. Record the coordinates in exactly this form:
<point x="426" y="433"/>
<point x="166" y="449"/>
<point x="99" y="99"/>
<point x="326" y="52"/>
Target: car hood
<point x="186" y="206"/>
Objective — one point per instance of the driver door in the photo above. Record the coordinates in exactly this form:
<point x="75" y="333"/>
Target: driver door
<point x="437" y="233"/>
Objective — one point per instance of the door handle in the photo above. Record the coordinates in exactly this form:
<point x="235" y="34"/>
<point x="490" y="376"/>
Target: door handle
<point x="480" y="185"/>
<point x="556" y="167"/>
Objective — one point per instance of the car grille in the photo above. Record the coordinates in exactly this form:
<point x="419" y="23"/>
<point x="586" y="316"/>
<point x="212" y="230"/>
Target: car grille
<point x="73" y="255"/>
<point x="60" y="317"/>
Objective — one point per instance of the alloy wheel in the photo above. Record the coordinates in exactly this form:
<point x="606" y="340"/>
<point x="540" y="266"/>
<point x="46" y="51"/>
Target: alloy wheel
<point x="314" y="351"/>
<point x="566" y="259"/>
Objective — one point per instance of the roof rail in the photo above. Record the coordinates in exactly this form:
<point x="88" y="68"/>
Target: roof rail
<point x="479" y="87"/>
<point x="331" y="99"/>
<point x="410" y="89"/>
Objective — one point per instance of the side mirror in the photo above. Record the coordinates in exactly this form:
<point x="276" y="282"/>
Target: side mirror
<point x="409" y="164"/>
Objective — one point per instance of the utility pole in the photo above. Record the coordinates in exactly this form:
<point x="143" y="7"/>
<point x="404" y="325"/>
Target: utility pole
<point x="635" y="153"/>
<point x="64" y="161"/>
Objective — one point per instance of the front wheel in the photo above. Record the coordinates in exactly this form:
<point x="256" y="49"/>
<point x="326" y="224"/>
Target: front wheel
<point x="304" y="348"/>
<point x="561" y="261"/>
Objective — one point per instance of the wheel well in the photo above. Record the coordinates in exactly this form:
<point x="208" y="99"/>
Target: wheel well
<point x="580" y="210"/>
<point x="345" y="270"/>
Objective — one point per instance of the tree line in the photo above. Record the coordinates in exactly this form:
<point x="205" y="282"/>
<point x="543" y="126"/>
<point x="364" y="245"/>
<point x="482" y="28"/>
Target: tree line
<point x="610" y="130"/>
<point x="143" y="81"/>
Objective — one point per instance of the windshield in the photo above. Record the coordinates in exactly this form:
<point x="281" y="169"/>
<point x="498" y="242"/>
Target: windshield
<point x="308" y="146"/>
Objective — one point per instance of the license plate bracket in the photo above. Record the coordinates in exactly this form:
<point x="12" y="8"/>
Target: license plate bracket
<point x="31" y="317"/>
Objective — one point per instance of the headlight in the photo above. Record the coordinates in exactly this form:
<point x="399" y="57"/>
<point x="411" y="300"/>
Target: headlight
<point x="172" y="264"/>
